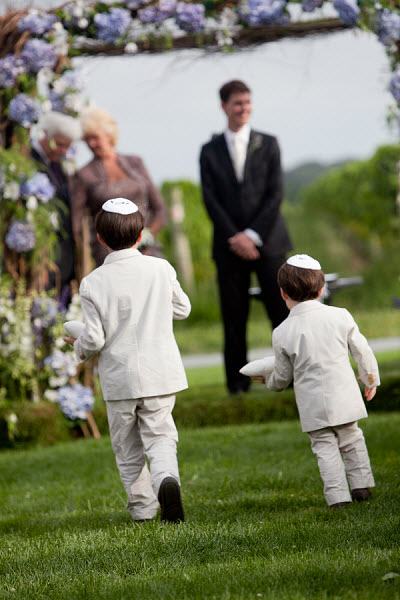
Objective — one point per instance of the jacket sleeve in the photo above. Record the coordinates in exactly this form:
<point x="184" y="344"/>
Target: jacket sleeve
<point x="180" y="301"/>
<point x="218" y="215"/>
<point x="273" y="194"/>
<point x="361" y="352"/>
<point x="92" y="340"/>
<point x="282" y="375"/>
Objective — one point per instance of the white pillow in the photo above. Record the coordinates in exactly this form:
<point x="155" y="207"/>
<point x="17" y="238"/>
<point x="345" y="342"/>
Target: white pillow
<point x="74" y="328"/>
<point x="262" y="367"/>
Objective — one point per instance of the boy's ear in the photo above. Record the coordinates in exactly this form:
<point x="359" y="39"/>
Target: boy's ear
<point x="284" y="294"/>
<point x="320" y="292"/>
<point x="140" y="237"/>
<point x="101" y="240"/>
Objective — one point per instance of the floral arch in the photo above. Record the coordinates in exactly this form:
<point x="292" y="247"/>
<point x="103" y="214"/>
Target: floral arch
<point x="36" y="75"/>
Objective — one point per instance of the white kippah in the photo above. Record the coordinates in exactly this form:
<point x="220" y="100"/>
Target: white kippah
<point x="304" y="262"/>
<point x="121" y="206"/>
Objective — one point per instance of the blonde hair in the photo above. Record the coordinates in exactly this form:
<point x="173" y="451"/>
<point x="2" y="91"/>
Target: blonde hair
<point x="94" y="118"/>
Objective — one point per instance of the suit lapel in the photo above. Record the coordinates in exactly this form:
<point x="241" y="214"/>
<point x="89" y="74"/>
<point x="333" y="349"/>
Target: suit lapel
<point x="255" y="142"/>
<point x="225" y="157"/>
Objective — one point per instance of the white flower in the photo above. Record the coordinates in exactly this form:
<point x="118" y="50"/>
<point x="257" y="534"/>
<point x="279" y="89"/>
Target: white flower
<point x="59" y="343"/>
<point x="11" y="190"/>
<point x="74" y="102"/>
<point x="56" y="382"/>
<point x="51" y="395"/>
<point x="12" y="418"/>
<point x="83" y="23"/>
<point x="131" y="48"/>
<point x="54" y="221"/>
<point x="32" y="203"/>
<point x="68" y="166"/>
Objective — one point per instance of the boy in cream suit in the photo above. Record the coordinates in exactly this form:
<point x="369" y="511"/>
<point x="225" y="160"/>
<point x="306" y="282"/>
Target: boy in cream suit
<point x="128" y="305"/>
<point x="311" y="349"/>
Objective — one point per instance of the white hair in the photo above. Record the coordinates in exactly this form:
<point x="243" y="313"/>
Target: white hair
<point x="53" y="123"/>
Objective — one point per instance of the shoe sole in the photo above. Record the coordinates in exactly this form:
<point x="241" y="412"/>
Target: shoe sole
<point x="170" y="500"/>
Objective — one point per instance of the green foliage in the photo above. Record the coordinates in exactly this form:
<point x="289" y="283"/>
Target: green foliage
<point x="257" y="525"/>
<point x="361" y="196"/>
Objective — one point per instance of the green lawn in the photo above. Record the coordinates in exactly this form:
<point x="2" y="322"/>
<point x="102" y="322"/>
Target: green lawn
<point x="257" y="523"/>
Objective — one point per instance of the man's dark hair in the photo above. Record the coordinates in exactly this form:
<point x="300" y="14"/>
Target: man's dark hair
<point x="119" y="231"/>
<point x="300" y="284"/>
<point x="233" y="87"/>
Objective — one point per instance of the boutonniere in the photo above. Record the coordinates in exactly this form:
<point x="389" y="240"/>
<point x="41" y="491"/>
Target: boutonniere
<point x="255" y="143"/>
<point x="68" y="165"/>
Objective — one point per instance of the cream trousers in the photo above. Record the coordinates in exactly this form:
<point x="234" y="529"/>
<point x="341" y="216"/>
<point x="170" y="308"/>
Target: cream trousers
<point x="341" y="451"/>
<point x="143" y="428"/>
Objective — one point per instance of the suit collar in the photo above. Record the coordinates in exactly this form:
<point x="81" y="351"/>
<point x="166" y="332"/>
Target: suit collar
<point x="304" y="307"/>
<point x="121" y="255"/>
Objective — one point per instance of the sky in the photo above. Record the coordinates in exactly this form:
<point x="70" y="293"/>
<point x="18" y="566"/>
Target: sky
<point x="325" y="97"/>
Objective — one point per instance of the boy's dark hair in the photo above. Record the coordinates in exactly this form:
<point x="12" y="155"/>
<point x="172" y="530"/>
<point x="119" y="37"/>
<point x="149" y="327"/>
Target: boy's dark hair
<point x="300" y="284"/>
<point x="233" y="87"/>
<point x="119" y="231"/>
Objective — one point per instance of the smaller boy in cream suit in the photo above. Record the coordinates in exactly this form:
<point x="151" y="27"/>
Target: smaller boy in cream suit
<point x="128" y="305"/>
<point x="311" y="349"/>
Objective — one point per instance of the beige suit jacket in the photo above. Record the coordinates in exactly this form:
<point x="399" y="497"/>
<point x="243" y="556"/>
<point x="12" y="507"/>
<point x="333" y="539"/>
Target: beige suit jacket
<point x="312" y="348"/>
<point x="129" y="304"/>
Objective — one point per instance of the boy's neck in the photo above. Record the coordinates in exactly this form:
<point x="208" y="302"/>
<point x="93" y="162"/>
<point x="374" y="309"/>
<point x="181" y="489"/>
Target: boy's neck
<point x="291" y="303"/>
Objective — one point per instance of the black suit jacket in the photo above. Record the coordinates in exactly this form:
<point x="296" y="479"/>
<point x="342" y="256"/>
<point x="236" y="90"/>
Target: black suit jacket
<point x="253" y="203"/>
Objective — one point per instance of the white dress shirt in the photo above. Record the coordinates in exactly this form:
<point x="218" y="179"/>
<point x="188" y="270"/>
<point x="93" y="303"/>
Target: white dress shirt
<point x="237" y="142"/>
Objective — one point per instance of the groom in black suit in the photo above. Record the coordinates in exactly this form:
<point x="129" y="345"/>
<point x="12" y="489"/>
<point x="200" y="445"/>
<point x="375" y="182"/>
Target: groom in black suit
<point x="242" y="190"/>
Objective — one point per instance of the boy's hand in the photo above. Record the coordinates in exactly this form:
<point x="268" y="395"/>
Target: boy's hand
<point x="69" y="340"/>
<point x="258" y="378"/>
<point x="369" y="393"/>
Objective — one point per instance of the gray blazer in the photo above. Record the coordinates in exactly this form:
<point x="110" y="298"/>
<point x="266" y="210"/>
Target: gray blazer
<point x="311" y="348"/>
<point x="128" y="306"/>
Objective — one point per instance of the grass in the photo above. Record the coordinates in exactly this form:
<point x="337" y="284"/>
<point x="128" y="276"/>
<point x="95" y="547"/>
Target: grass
<point x="257" y="523"/>
<point x="208" y="337"/>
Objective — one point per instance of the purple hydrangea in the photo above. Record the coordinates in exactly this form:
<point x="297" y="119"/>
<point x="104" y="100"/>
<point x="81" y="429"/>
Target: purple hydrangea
<point x="394" y="85"/>
<point x="154" y="14"/>
<point x="76" y="401"/>
<point x="190" y="17"/>
<point x="20" y="236"/>
<point x="113" y="25"/>
<point x="56" y="100"/>
<point x="264" y="12"/>
<point x="44" y="313"/>
<point x="310" y="5"/>
<point x="24" y="109"/>
<point x="40" y="186"/>
<point x="389" y="27"/>
<point x="348" y="10"/>
<point x="62" y="365"/>
<point x="10" y="67"/>
<point x="37" y="22"/>
<point x="38" y="54"/>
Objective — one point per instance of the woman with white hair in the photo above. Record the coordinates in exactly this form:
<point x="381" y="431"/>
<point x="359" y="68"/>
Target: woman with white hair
<point x="112" y="175"/>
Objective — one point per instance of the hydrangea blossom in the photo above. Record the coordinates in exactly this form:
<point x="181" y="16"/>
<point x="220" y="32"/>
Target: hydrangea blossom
<point x="76" y="401"/>
<point x="310" y="5"/>
<point x="389" y="27"/>
<point x="135" y="4"/>
<point x="40" y="186"/>
<point x="263" y="12"/>
<point x="24" y="109"/>
<point x="190" y="17"/>
<point x="113" y="25"/>
<point x="44" y="312"/>
<point x="161" y="11"/>
<point x="37" y="22"/>
<point x="348" y="10"/>
<point x="62" y="365"/>
<point x="20" y="237"/>
<point x="38" y="54"/>
<point x="10" y="67"/>
<point x="394" y="85"/>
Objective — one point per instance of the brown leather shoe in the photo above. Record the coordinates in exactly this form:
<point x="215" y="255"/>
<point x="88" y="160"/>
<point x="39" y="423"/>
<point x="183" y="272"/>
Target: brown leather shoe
<point x="361" y="494"/>
<point x="169" y="497"/>
<point x="339" y="505"/>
